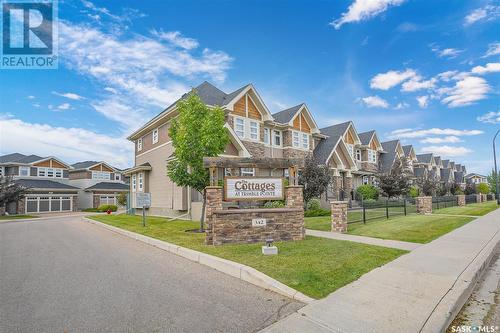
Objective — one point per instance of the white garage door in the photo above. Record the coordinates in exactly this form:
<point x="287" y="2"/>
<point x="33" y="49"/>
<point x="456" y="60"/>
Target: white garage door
<point x="107" y="200"/>
<point x="46" y="204"/>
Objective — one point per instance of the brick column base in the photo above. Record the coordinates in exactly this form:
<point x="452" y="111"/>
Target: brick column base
<point x="424" y="205"/>
<point x="461" y="200"/>
<point x="213" y="203"/>
<point x="339" y="216"/>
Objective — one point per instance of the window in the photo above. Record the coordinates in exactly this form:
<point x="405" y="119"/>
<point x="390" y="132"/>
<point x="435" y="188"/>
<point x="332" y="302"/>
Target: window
<point x="155" y="136"/>
<point x="247" y="171"/>
<point x="254" y="130"/>
<point x="24" y="171"/>
<point x="277" y="138"/>
<point x="58" y="173"/>
<point x="266" y="135"/>
<point x="101" y="175"/>
<point x="240" y="127"/>
<point x="372" y="156"/>
<point x="139" y="144"/>
<point x="365" y="180"/>
<point x="305" y="141"/>
<point x="358" y="154"/>
<point x="141" y="183"/>
<point x="1" y="171"/>
<point x="295" y="141"/>
<point x="50" y="172"/>
<point x="286" y="173"/>
<point x="227" y="172"/>
<point x="134" y="182"/>
<point x="41" y="172"/>
<point x="117" y="176"/>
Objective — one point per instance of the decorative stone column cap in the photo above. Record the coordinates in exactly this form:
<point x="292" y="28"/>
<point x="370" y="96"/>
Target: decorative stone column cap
<point x="425" y="197"/>
<point x="339" y="202"/>
<point x="214" y="187"/>
<point x="294" y="186"/>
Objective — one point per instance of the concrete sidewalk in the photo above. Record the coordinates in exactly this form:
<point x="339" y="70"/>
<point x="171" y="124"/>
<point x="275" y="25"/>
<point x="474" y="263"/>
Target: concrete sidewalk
<point x="365" y="240"/>
<point x="421" y="291"/>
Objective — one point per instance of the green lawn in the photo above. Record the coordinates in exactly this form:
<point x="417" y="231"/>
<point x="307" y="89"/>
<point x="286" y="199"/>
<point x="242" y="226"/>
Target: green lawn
<point x="476" y="209"/>
<point x="411" y="228"/>
<point x="314" y="266"/>
<point x="15" y="217"/>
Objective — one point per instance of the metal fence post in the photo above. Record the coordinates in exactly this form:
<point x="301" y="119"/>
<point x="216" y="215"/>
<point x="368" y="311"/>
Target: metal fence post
<point x="404" y="205"/>
<point x="364" y="213"/>
<point x="387" y="208"/>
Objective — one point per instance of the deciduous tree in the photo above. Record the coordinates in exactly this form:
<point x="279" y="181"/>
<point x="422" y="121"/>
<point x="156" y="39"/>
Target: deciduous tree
<point x="10" y="191"/>
<point x="315" y="179"/>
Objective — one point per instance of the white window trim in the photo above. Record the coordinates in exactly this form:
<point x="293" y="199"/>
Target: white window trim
<point x="134" y="182"/>
<point x="267" y="136"/>
<point x="250" y="127"/>
<point x="139" y="144"/>
<point x="2" y="171"/>
<point x="307" y="143"/>
<point x="296" y="139"/>
<point x="273" y="142"/>
<point x="247" y="172"/>
<point x="356" y="155"/>
<point x="236" y="130"/>
<point x="101" y="175"/>
<point x="155" y="135"/>
<point x="24" y="168"/>
<point x="140" y="183"/>
<point x="247" y="128"/>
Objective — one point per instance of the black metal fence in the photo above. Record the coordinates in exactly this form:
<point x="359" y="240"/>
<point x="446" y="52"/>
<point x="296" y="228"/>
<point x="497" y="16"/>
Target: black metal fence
<point x="444" y="202"/>
<point x="363" y="211"/>
<point x="470" y="198"/>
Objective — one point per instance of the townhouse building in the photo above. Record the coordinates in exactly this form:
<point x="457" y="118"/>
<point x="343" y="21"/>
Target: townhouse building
<point x="98" y="183"/>
<point x="47" y="179"/>
<point x="393" y="152"/>
<point x="476" y="179"/>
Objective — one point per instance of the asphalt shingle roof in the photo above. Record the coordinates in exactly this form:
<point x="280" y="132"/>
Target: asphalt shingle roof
<point x="44" y="183"/>
<point x="387" y="159"/>
<point x="85" y="164"/>
<point x="459" y="176"/>
<point x="325" y="146"/>
<point x="365" y="137"/>
<point x="108" y="186"/>
<point x="19" y="158"/>
<point x="407" y="149"/>
<point x="446" y="163"/>
<point x="437" y="159"/>
<point x="446" y="175"/>
<point x="285" y="116"/>
<point x="424" y="158"/>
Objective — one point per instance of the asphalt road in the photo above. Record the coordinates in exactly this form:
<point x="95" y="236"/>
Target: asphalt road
<point x="65" y="275"/>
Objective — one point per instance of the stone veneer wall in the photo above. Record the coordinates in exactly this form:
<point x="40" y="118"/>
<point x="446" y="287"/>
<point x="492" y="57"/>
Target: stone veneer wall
<point x="424" y="205"/>
<point x="339" y="216"/>
<point x="461" y="200"/>
<point x="235" y="226"/>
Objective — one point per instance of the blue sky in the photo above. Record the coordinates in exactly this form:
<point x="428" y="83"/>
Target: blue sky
<point x="427" y="72"/>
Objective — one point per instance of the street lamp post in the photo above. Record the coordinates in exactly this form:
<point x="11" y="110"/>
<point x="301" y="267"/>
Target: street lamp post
<point x="496" y="170"/>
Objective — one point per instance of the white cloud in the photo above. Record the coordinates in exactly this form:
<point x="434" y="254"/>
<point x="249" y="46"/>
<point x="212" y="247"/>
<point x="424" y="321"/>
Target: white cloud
<point x="487" y="13"/>
<point x="176" y="38"/>
<point x="447" y="53"/>
<point x="423" y="101"/>
<point x="72" y="96"/>
<point x="408" y="133"/>
<point x="465" y="92"/>
<point x="401" y="105"/>
<point x="447" y="76"/>
<point x="375" y="102"/>
<point x="111" y="90"/>
<point x="493" y="49"/>
<point x="491" y="67"/>
<point x="36" y="105"/>
<point x="361" y="10"/>
<point x="416" y="83"/>
<point x="490" y="118"/>
<point x="447" y="151"/>
<point x="446" y="139"/>
<point x="385" y="81"/>
<point x="64" y="106"/>
<point x="31" y="97"/>
<point x="115" y="110"/>
<point x="70" y="144"/>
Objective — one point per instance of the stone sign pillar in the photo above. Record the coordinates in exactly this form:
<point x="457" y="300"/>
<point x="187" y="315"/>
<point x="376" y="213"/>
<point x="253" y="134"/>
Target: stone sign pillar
<point x="213" y="203"/>
<point x="424" y="205"/>
<point x="294" y="196"/>
<point x="339" y="216"/>
<point x="461" y="200"/>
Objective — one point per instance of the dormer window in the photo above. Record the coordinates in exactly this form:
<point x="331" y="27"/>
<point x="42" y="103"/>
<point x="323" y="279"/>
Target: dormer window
<point x="155" y="136"/>
<point x="139" y="144"/>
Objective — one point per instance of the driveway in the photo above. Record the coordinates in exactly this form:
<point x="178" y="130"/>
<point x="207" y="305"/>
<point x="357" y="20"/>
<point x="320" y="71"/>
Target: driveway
<point x="64" y="275"/>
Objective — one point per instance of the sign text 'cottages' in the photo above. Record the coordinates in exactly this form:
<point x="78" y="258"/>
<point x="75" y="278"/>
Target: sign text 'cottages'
<point x="250" y="188"/>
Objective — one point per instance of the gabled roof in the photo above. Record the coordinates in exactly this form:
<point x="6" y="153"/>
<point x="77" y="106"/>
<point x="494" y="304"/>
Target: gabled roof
<point x="366" y="137"/>
<point x="470" y="175"/>
<point x="84" y="165"/>
<point x="459" y="175"/>
<point x="44" y="184"/>
<point x="446" y="164"/>
<point x="108" y="186"/>
<point x="437" y="160"/>
<point x="325" y="147"/>
<point x="424" y="158"/>
<point x="390" y="146"/>
<point x="19" y="158"/>
<point x="446" y="175"/>
<point x="283" y="117"/>
<point x="408" y="149"/>
<point x="387" y="159"/>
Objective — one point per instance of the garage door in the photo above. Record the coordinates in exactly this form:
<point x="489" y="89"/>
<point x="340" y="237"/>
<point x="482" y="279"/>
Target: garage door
<point x="107" y="200"/>
<point x="46" y="204"/>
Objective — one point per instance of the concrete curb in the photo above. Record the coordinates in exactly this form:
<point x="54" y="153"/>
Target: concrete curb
<point x="451" y="303"/>
<point x="228" y="267"/>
